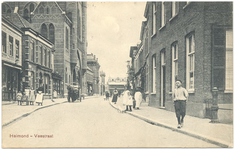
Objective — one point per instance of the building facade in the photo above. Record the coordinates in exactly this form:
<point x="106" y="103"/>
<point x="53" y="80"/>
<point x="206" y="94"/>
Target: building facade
<point x="118" y="83"/>
<point x="64" y="25"/>
<point x="190" y="41"/>
<point x="11" y="59"/>
<point x="93" y="64"/>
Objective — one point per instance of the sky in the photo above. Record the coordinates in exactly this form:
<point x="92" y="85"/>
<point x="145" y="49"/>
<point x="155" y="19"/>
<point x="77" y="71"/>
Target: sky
<point x="112" y="28"/>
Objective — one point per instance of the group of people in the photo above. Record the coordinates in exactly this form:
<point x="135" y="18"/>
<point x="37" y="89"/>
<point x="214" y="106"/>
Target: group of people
<point x="30" y="98"/>
<point x="180" y="98"/>
<point x="130" y="99"/>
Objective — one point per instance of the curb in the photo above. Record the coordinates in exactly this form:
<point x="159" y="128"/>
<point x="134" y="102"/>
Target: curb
<point x="26" y="114"/>
<point x="217" y="142"/>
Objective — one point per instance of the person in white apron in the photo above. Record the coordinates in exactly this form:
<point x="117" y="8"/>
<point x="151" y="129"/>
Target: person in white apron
<point x="31" y="97"/>
<point x="39" y="98"/>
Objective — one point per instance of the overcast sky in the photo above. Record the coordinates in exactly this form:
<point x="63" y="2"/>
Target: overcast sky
<point x="112" y="27"/>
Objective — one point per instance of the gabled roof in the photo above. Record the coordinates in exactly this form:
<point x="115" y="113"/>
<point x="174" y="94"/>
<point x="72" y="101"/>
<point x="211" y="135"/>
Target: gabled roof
<point x="62" y="11"/>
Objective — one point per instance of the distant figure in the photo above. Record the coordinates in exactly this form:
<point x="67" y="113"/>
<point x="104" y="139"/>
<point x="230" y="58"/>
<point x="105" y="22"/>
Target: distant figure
<point x="115" y="96"/>
<point x="55" y="94"/>
<point x="138" y="98"/>
<point x="69" y="88"/>
<point x="24" y="98"/>
<point x="31" y="96"/>
<point x="19" y="97"/>
<point x="127" y="100"/>
<point x="107" y="95"/>
<point x="180" y="97"/>
<point x="39" y="98"/>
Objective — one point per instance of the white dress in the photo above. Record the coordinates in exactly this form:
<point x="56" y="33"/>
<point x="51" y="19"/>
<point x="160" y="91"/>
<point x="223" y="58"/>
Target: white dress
<point x="138" y="98"/>
<point x="127" y="98"/>
<point x="39" y="98"/>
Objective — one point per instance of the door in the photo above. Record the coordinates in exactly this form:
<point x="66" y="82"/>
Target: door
<point x="163" y="79"/>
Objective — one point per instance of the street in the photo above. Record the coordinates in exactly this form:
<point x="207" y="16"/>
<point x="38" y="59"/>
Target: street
<point x="90" y="123"/>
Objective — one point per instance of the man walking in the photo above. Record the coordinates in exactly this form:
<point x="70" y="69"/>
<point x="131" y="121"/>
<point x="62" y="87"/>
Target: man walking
<point x="180" y="97"/>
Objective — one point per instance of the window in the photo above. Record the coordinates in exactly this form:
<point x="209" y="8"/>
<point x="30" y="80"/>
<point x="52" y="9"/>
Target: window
<point x="3" y="8"/>
<point x="190" y="61"/>
<point x="44" y="30"/>
<point x="229" y="61"/>
<point x="9" y="11"/>
<point x="41" y="55"/>
<point x="45" y="57"/>
<point x="174" y="9"/>
<point x="69" y="78"/>
<point x="17" y="48"/>
<point x="4" y="42"/>
<point x="146" y="79"/>
<point x="26" y="14"/>
<point x="79" y="25"/>
<point x="52" y="33"/>
<point x="32" y="51"/>
<point x="67" y="38"/>
<point x="11" y="45"/>
<point x="154" y="74"/>
<point x="163" y="14"/>
<point x="154" y="18"/>
<point x="174" y="49"/>
<point x="48" y="10"/>
<point x="37" y="55"/>
<point x="49" y="61"/>
<point x="31" y="7"/>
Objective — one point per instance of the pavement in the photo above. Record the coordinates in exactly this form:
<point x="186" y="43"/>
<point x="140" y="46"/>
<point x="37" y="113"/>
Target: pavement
<point x="12" y="112"/>
<point x="215" y="133"/>
<point x="200" y="128"/>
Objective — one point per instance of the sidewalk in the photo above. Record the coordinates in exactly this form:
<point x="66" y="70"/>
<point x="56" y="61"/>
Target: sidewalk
<point x="12" y="112"/>
<point x="218" y="134"/>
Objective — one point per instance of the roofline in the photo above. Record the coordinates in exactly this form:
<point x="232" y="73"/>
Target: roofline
<point x="13" y="25"/>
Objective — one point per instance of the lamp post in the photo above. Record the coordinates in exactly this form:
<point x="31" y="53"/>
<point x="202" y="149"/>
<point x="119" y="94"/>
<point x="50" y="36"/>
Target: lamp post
<point x="214" y="107"/>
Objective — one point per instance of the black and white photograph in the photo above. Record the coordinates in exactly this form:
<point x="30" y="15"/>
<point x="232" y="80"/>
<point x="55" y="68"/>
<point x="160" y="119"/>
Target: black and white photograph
<point x="117" y="74"/>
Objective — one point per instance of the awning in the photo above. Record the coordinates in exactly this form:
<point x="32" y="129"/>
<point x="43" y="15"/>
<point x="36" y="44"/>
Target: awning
<point x="12" y="66"/>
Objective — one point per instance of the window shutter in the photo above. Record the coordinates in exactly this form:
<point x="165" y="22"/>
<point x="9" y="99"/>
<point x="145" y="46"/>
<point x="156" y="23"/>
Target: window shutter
<point x="218" y="58"/>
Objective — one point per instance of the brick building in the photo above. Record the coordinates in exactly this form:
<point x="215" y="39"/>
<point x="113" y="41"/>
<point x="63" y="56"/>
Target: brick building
<point x="11" y="59"/>
<point x="190" y="41"/>
<point x="93" y="64"/>
<point x="64" y="25"/>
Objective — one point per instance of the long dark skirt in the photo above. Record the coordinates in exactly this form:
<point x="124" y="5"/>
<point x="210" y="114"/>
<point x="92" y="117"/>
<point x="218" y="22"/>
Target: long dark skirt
<point x="115" y="98"/>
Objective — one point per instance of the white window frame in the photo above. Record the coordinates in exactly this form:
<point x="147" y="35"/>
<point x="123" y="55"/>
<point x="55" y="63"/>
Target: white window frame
<point x="175" y="65"/>
<point x="163" y="19"/>
<point x="229" y="62"/>
<point x="154" y="18"/>
<point x="190" y="56"/>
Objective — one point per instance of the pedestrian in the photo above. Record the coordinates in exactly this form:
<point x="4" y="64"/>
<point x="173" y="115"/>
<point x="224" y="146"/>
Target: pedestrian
<point x="107" y="95"/>
<point x="115" y="96"/>
<point x="138" y="98"/>
<point x="54" y="94"/>
<point x="24" y="98"/>
<point x="39" y="98"/>
<point x="19" y="97"/>
<point x="69" y="88"/>
<point x="31" y="96"/>
<point x="128" y="99"/>
<point x="180" y="97"/>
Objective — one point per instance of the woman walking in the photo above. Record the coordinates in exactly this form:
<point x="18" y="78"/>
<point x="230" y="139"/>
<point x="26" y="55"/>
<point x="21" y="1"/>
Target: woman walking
<point x="115" y="96"/>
